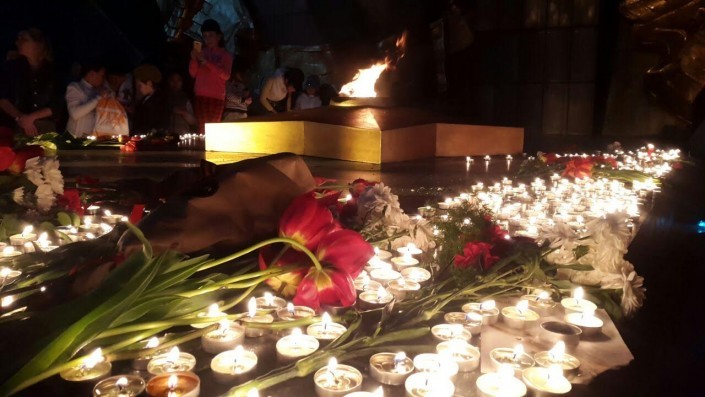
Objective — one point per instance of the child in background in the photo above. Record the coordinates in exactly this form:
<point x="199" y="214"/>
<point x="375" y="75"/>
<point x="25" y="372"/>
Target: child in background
<point x="309" y="99"/>
<point x="237" y="97"/>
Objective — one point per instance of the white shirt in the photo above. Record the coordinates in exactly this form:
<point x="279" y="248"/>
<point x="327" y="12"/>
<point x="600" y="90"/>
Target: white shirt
<point x="81" y="100"/>
<point x="305" y="101"/>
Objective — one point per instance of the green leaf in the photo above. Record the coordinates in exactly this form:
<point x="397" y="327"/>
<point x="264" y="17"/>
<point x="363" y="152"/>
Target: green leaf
<point x="64" y="219"/>
<point x="578" y="267"/>
<point x="160" y="303"/>
<point x="75" y="219"/>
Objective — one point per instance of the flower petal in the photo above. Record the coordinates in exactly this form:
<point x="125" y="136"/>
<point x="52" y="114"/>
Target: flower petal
<point x="345" y="250"/>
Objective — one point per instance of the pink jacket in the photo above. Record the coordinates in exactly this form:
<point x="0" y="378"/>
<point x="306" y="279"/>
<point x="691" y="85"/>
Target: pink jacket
<point x="211" y="76"/>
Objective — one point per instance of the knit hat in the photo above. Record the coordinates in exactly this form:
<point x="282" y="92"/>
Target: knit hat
<point x="148" y="72"/>
<point x="210" y="25"/>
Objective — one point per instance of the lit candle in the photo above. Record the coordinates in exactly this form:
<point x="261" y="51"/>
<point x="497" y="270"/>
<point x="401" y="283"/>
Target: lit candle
<point x="516" y="358"/>
<point x="440" y="365"/>
<point x="546" y="381"/>
<point x="364" y="283"/>
<point x="177" y="384"/>
<point x="540" y="302"/>
<point x="173" y="361"/>
<point x="371" y="299"/>
<point x="10" y="252"/>
<point x="445" y="332"/>
<point x="383" y="276"/>
<point x="252" y="317"/>
<point x="577" y="303"/>
<point x="382" y="254"/>
<point x="520" y="316"/>
<point x="325" y="330"/>
<point x="487" y="309"/>
<point x="500" y="384"/>
<point x="425" y="384"/>
<point x="291" y="312"/>
<point x="390" y="368"/>
<point x="471" y="321"/>
<point x="465" y="355"/>
<point x="295" y="346"/>
<point x="226" y="337"/>
<point x="586" y="321"/>
<point x="110" y="218"/>
<point x="7" y="275"/>
<point x="24" y="237"/>
<point x="402" y="288"/>
<point x="409" y="249"/>
<point x="93" y="368"/>
<point x="446" y="204"/>
<point x="270" y="302"/>
<point x="379" y="392"/>
<point x="377" y="263"/>
<point x="402" y="262"/>
<point x="233" y="365"/>
<point x="141" y="362"/>
<point x="119" y="386"/>
<point x="337" y="380"/>
<point x="213" y="312"/>
<point x="558" y="356"/>
<point x="417" y="274"/>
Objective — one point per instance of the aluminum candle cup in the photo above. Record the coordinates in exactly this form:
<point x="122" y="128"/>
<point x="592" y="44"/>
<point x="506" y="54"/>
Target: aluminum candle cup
<point x="541" y="304"/>
<point x="390" y="368"/>
<point x="402" y="288"/>
<point x="213" y="313"/>
<point x="141" y="362"/>
<point x="557" y="356"/>
<point x="119" y="386"/>
<point x="382" y="254"/>
<point x="577" y="304"/>
<point x="25" y="237"/>
<point x="370" y="300"/>
<point x="384" y="276"/>
<point x="291" y="312"/>
<point x="377" y="263"/>
<point x="488" y="310"/>
<point x="270" y="302"/>
<point x="92" y="369"/>
<point x="366" y="284"/>
<point x="546" y="382"/>
<point x="427" y="384"/>
<point x="173" y="361"/>
<point x="325" y="330"/>
<point x="8" y="253"/>
<point x="181" y="384"/>
<point x="587" y="322"/>
<point x="251" y="317"/>
<point x="446" y="332"/>
<point x="440" y="365"/>
<point x="420" y="275"/>
<point x="233" y="366"/>
<point x="336" y="380"/>
<point x="409" y="249"/>
<point x="8" y="275"/>
<point x="470" y="321"/>
<point x="520" y="316"/>
<point x="465" y="355"/>
<point x="295" y="346"/>
<point x="500" y="384"/>
<point x="515" y="358"/>
<point x="226" y="337"/>
<point x="556" y="331"/>
<point x="404" y="262"/>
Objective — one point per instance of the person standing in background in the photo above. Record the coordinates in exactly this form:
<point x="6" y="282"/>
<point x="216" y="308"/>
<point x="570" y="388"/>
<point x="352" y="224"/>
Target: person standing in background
<point x="82" y="98"/>
<point x="309" y="99"/>
<point x="237" y="96"/>
<point x="182" y="117"/>
<point x="29" y="92"/>
<point x="210" y="67"/>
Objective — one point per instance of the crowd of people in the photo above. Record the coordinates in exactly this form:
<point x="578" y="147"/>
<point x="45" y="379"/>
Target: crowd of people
<point x="107" y="101"/>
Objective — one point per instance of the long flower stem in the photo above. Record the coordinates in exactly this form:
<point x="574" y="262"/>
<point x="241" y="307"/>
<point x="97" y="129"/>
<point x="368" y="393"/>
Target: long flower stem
<point x="285" y="240"/>
<point x="165" y="323"/>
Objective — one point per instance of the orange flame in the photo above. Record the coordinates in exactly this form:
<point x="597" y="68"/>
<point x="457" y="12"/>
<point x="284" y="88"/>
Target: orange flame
<point x="363" y="84"/>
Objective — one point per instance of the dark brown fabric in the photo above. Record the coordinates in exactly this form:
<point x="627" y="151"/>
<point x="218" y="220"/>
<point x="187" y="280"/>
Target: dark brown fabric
<point x="251" y="196"/>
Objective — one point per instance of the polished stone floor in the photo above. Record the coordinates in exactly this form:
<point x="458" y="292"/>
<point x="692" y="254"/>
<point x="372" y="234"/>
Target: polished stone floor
<point x="667" y="337"/>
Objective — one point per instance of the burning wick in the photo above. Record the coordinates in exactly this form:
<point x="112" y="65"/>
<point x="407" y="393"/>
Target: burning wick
<point x="27" y="230"/>
<point x="252" y="308"/>
<point x="121" y="384"/>
<point x="268" y="299"/>
<point x="556" y="354"/>
<point x="381" y="294"/>
<point x="152" y="343"/>
<point x="522" y="307"/>
<point x="172" y="357"/>
<point x="325" y="321"/>
<point x="399" y="359"/>
<point x="172" y="383"/>
<point x="91" y="361"/>
<point x="518" y="351"/>
<point x="239" y="350"/>
<point x="332" y="366"/>
<point x="290" y="308"/>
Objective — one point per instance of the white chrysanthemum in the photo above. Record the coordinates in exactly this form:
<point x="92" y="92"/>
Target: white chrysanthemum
<point x="33" y="171"/>
<point x="632" y="286"/>
<point x="591" y="278"/>
<point x="561" y="256"/>
<point x="18" y="195"/>
<point x="52" y="175"/>
<point x="420" y="235"/>
<point x="45" y="197"/>
<point x="612" y="228"/>
<point x="560" y="234"/>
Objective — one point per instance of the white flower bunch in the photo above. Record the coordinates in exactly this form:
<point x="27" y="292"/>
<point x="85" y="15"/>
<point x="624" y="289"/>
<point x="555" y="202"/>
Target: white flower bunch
<point x="44" y="173"/>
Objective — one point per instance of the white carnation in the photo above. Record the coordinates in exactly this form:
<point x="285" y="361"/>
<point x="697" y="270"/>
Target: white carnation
<point x="33" y="171"/>
<point x="18" y="195"/>
<point x="53" y="176"/>
<point x="45" y="197"/>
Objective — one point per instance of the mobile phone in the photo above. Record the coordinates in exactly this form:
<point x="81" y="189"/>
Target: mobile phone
<point x="197" y="45"/>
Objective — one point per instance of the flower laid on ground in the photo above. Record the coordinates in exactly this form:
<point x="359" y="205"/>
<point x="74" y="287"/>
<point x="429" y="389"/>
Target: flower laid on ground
<point x="578" y="168"/>
<point x="475" y="254"/>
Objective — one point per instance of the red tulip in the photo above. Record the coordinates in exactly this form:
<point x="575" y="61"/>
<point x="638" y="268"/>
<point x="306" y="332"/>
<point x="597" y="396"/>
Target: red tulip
<point x="359" y="186"/>
<point x="306" y="221"/>
<point x="24" y="154"/>
<point x="578" y="168"/>
<point x="7" y="157"/>
<point x="345" y="250"/>
<point x="328" y="286"/>
<point x="475" y="254"/>
<point x="286" y="283"/>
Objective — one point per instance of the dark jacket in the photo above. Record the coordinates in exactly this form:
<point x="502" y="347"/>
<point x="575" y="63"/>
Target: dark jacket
<point x="152" y="113"/>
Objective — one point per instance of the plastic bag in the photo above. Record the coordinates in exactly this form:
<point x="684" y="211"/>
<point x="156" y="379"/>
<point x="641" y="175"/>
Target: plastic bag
<point x="110" y="118"/>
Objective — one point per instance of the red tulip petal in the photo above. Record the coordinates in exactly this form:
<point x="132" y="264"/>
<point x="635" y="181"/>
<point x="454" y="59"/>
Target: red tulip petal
<point x="345" y="250"/>
<point x="7" y="157"/>
<point x="306" y="221"/>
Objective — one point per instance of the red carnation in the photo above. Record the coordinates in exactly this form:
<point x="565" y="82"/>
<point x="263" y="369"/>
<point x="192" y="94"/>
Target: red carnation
<point x="578" y="168"/>
<point x="475" y="254"/>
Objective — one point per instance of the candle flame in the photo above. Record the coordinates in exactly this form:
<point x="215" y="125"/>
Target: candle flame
<point x="381" y="293"/>
<point x="488" y="305"/>
<point x="556" y="354"/>
<point x="296" y="332"/>
<point x="326" y="320"/>
<point x="578" y="293"/>
<point x="173" y="354"/>
<point x="268" y="299"/>
<point x="8" y="250"/>
<point x="448" y="200"/>
<point x="401" y="356"/>
<point x="5" y="272"/>
<point x="121" y="382"/>
<point x="253" y="392"/>
<point x="238" y="352"/>
<point x="7" y="301"/>
<point x="87" y="220"/>
<point x="224" y="325"/>
<point x="43" y="237"/>
<point x="27" y="230"/>
<point x="522" y="306"/>
<point x="107" y="213"/>
<point x="290" y="308"/>
<point x="518" y="351"/>
<point x="332" y="365"/>
<point x="376" y="251"/>
<point x="95" y="358"/>
<point x="473" y="317"/>
<point x="505" y="371"/>
<point x="544" y="295"/>
<point x="152" y="343"/>
<point x="172" y="382"/>
<point x="252" y="307"/>
<point x="554" y="373"/>
<point x="363" y="84"/>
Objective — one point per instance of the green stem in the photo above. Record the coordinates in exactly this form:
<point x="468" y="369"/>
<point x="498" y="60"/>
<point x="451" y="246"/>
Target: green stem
<point x="165" y="323"/>
<point x="259" y="245"/>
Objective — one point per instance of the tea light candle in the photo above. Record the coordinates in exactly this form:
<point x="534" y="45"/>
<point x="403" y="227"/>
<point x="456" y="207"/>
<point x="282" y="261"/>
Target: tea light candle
<point x="465" y="355"/>
<point x="270" y="302"/>
<point x="25" y="237"/>
<point x="88" y="226"/>
<point x="487" y="309"/>
<point x="291" y="312"/>
<point x="9" y="252"/>
<point x="384" y="276"/>
<point x="8" y="275"/>
<point x="586" y="321"/>
<point x="501" y="384"/>
<point x="401" y="288"/>
<point x="370" y="300"/>
<point x="417" y="274"/>
<point x="390" y="368"/>
<point x="336" y="380"/>
<point x="212" y="312"/>
<point x="92" y="369"/>
<point x="445" y="332"/>
<point x="402" y="262"/>
<point x="173" y="361"/>
<point x="382" y="254"/>
<point x="546" y="381"/>
<point x="558" y="356"/>
<point x="177" y="384"/>
<point x="470" y="321"/>
<point x="325" y="330"/>
<point x="379" y="392"/>
<point x="253" y="317"/>
<point x="233" y="365"/>
<point x="364" y="283"/>
<point x="540" y="302"/>
<point x="119" y="386"/>
<point x="516" y="358"/>
<point x="110" y="218"/>
<point x="520" y="316"/>
<point x="446" y="204"/>
<point x="141" y="362"/>
<point x="226" y="337"/>
<point x="577" y="303"/>
<point x="437" y="364"/>
<point x="425" y="384"/>
<point x="295" y="346"/>
<point x="409" y="249"/>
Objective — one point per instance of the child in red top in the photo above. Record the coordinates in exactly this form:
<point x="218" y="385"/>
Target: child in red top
<point x="210" y="67"/>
